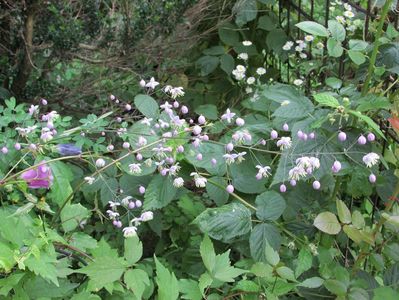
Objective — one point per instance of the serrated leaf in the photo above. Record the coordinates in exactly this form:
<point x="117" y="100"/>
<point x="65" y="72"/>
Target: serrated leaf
<point x="326" y="100"/>
<point x="344" y="213"/>
<point x="168" y="286"/>
<point x="261" y="236"/>
<point x="147" y="106"/>
<point x="270" y="206"/>
<point x="72" y="215"/>
<point x="159" y="193"/>
<point x="189" y="289"/>
<point x="313" y="28"/>
<point x="208" y="253"/>
<point x="272" y="256"/>
<point x="368" y="121"/>
<point x="136" y="280"/>
<point x="304" y="261"/>
<point x="312" y="283"/>
<point x="327" y="222"/>
<point x="133" y="249"/>
<point x="223" y="270"/>
<point x="225" y="222"/>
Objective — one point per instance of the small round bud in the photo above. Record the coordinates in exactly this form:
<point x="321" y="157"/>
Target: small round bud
<point x="300" y="134"/>
<point x="138" y="203"/>
<point x="164" y="172"/>
<point x="176" y="104"/>
<point x="305" y="137"/>
<point x="371" y="137"/>
<point x="141" y="189"/>
<point x="229" y="147"/>
<point x="293" y="182"/>
<point x="139" y="157"/>
<point x="17" y="146"/>
<point x="32" y="147"/>
<point x="119" y="119"/>
<point x="100" y="163"/>
<point x="336" y="167"/>
<point x="170" y="160"/>
<point x="142" y="83"/>
<point x="312" y="135"/>
<point x="110" y="147"/>
<point x="372" y="178"/>
<point x="240" y="122"/>
<point x="230" y="189"/>
<point x="213" y="161"/>
<point x="103" y="133"/>
<point x="44" y="101"/>
<point x="258" y="176"/>
<point x="286" y="127"/>
<point x="131" y="205"/>
<point x="4" y="150"/>
<point x="263" y="142"/>
<point x="128" y="107"/>
<point x="126" y="145"/>
<point x="283" y="188"/>
<point x="180" y="149"/>
<point x="274" y="134"/>
<point x="205" y="137"/>
<point x="361" y="140"/>
<point x="112" y="97"/>
<point x="184" y="110"/>
<point x="201" y="120"/>
<point x="199" y="156"/>
<point x="342" y="136"/>
<point x="197" y="129"/>
<point x="316" y="185"/>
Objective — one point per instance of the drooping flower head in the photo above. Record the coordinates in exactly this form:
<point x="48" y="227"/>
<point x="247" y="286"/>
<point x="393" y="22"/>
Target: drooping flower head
<point x="39" y="177"/>
<point x="68" y="149"/>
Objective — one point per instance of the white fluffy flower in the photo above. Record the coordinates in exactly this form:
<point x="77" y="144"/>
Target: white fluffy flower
<point x="371" y="159"/>
<point x="261" y="71"/>
<point x="135" y="168"/>
<point x="296" y="173"/>
<point x="178" y="182"/>
<point x="263" y="171"/>
<point x="251" y="80"/>
<point x="146" y="216"/>
<point x="247" y="43"/>
<point x="309" y="38"/>
<point x="284" y="143"/>
<point x="243" y="56"/>
<point x="129" y="231"/>
<point x="199" y="180"/>
<point x="340" y="19"/>
<point x="349" y="14"/>
<point x="298" y="82"/>
<point x="152" y="83"/>
<point x="89" y="180"/>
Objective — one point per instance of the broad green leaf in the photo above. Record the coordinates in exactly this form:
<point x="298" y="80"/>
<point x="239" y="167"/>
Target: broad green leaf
<point x="327" y="222"/>
<point x="357" y="45"/>
<point x="7" y="260"/>
<point x="272" y="256"/>
<point x="286" y="273"/>
<point x="168" y="286"/>
<point x="209" y="151"/>
<point x="136" y="280"/>
<point x="208" y="253"/>
<point x="385" y="293"/>
<point x="372" y="102"/>
<point x="225" y="222"/>
<point x="209" y="111"/>
<point x="61" y="188"/>
<point x="358" y="219"/>
<point x="243" y="177"/>
<point x="217" y="194"/>
<point x="245" y="11"/>
<point x="312" y="283"/>
<point x="159" y="193"/>
<point x="337" y="31"/>
<point x="261" y="236"/>
<point x="133" y="250"/>
<point x="215" y="50"/>
<point x="108" y="186"/>
<point x="38" y="288"/>
<point x="72" y="215"/>
<point x="229" y="34"/>
<point x="147" y="106"/>
<point x="334" y="48"/>
<point x="189" y="289"/>
<point x="266" y="23"/>
<point x="204" y="281"/>
<point x="276" y="39"/>
<point x="326" y="100"/>
<point x="227" y="64"/>
<point x="313" y="28"/>
<point x="223" y="270"/>
<point x="357" y="57"/>
<point x="45" y="265"/>
<point x="334" y="82"/>
<point x="246" y="286"/>
<point x="336" y="287"/>
<point x="352" y="233"/>
<point x="9" y="282"/>
<point x="207" y="64"/>
<point x="304" y="261"/>
<point x="85" y="295"/>
<point x="344" y="213"/>
<point x="368" y="121"/>
<point x="270" y="206"/>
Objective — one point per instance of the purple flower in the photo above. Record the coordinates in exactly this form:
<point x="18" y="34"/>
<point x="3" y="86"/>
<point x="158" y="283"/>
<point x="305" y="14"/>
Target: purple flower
<point x="283" y="188"/>
<point x="371" y="137"/>
<point x="372" y="178"/>
<point x="316" y="185"/>
<point x="361" y="140"/>
<point x="39" y="177"/>
<point x="342" y="136"/>
<point x="336" y="167"/>
<point x="230" y="189"/>
<point x="68" y="149"/>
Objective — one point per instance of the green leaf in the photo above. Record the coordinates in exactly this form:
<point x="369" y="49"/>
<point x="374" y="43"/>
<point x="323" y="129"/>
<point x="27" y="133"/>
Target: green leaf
<point x="261" y="236"/>
<point x="353" y="233"/>
<point x="159" y="193"/>
<point x="133" y="250"/>
<point x="313" y="28"/>
<point x="272" y="256"/>
<point x="276" y="39"/>
<point x="357" y="57"/>
<point x="136" y="280"/>
<point x="106" y="268"/>
<point x="168" y="286"/>
<point x="358" y="219"/>
<point x="266" y="23"/>
<point x="44" y="265"/>
<point x="337" y="31"/>
<point x="215" y="50"/>
<point x="368" y="121"/>
<point x="9" y="282"/>
<point x="385" y="293"/>
<point x="204" y="281"/>
<point x="223" y="270"/>
<point x="190" y="289"/>
<point x="229" y="34"/>
<point x="270" y="206"/>
<point x="286" y="273"/>
<point x="61" y="188"/>
<point x="334" y="48"/>
<point x="208" y="253"/>
<point x="344" y="213"/>
<point x="312" y="283"/>
<point x="7" y="260"/>
<point x="226" y="222"/>
<point x="304" y="262"/>
<point x="326" y="100"/>
<point x="357" y="45"/>
<point x="336" y="287"/>
<point x="72" y="215"/>
<point x="217" y="194"/>
<point x="334" y="82"/>
<point x="207" y="64"/>
<point x="147" y="106"/>
<point x="327" y="222"/>
<point x="373" y="102"/>
<point x="245" y="11"/>
<point x="243" y="175"/>
<point x="209" y="111"/>
<point x="227" y="64"/>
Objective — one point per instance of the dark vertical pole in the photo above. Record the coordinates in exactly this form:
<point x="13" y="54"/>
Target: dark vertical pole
<point x="367" y="21"/>
<point x="288" y="34"/>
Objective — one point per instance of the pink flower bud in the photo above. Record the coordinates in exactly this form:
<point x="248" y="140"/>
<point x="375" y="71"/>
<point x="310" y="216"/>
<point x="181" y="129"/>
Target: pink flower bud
<point x="262" y="142"/>
<point x="316" y="185"/>
<point x="139" y="157"/>
<point x="126" y="145"/>
<point x="44" y="101"/>
<point x="17" y="146"/>
<point x="100" y="163"/>
<point x="371" y="137"/>
<point x="305" y="137"/>
<point x="342" y="136"/>
<point x="128" y="107"/>
<point x="180" y="149"/>
<point x="199" y="156"/>
<point x="141" y="189"/>
<point x="4" y="150"/>
<point x="229" y="147"/>
<point x="361" y="140"/>
<point x="283" y="188"/>
<point x="300" y="134"/>
<point x="201" y="120"/>
<point x="336" y="167"/>
<point x="312" y="135"/>
<point x="293" y="182"/>
<point x="205" y="137"/>
<point x="138" y="203"/>
<point x="372" y="178"/>
<point x="274" y="134"/>
<point x="175" y="104"/>
<point x="164" y="172"/>
<point x="197" y="129"/>
<point x="110" y="147"/>
<point x="240" y="122"/>
<point x="119" y="119"/>
<point x="286" y="127"/>
<point x="103" y="133"/>
<point x="170" y="160"/>
<point x="184" y="110"/>
<point x="142" y="83"/>
<point x="131" y="205"/>
<point x="32" y="147"/>
<point x="258" y="176"/>
<point x="230" y="189"/>
<point x="213" y="161"/>
<point x="112" y="97"/>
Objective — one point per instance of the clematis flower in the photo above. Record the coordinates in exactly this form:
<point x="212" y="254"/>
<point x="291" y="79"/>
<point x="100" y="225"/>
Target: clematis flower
<point x="39" y="177"/>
